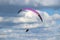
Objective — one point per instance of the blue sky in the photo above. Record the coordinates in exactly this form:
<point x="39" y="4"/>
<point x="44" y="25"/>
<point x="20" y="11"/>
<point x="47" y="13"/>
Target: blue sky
<point x="12" y="26"/>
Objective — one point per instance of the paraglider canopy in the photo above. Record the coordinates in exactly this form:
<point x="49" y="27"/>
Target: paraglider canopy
<point x="35" y="12"/>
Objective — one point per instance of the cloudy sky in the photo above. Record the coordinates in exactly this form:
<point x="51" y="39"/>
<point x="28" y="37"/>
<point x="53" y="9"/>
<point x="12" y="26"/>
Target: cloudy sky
<point x="13" y="25"/>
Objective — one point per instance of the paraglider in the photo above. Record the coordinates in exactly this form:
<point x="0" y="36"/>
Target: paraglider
<point x="35" y="12"/>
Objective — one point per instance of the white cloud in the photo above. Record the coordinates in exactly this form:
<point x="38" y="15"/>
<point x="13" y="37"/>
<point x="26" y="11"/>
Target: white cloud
<point x="1" y="18"/>
<point x="26" y="18"/>
<point x="56" y="16"/>
<point x="49" y="2"/>
<point x="27" y="2"/>
<point x="48" y="20"/>
<point x="51" y="38"/>
<point x="31" y="2"/>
